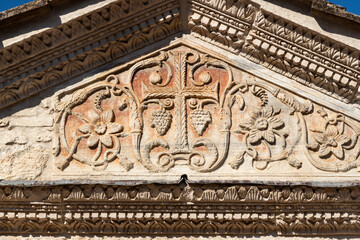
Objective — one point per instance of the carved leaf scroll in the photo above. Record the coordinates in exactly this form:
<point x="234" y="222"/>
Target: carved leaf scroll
<point x="88" y="132"/>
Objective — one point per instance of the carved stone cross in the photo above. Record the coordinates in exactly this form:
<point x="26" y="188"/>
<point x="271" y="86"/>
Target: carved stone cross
<point x="181" y="93"/>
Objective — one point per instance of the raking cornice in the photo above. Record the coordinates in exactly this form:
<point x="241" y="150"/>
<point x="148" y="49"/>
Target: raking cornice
<point x="100" y="37"/>
<point x="82" y="44"/>
<point x="281" y="45"/>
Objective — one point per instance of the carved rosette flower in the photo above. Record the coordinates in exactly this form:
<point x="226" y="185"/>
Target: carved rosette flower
<point x="261" y="124"/>
<point x="100" y="128"/>
<point x="331" y="142"/>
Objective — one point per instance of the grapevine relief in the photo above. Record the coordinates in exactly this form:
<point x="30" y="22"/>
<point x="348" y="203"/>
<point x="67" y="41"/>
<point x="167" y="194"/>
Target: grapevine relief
<point x="186" y="108"/>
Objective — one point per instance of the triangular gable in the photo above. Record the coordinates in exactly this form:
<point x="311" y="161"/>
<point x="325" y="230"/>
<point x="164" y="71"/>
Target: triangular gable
<point x="182" y="110"/>
<point x="307" y="110"/>
<point x="180" y="117"/>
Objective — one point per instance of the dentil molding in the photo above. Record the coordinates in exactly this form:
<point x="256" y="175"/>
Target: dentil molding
<point x="181" y="209"/>
<point x="97" y="38"/>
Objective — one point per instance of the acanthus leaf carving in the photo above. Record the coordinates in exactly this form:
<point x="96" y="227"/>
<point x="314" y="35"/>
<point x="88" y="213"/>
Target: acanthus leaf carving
<point x="309" y="210"/>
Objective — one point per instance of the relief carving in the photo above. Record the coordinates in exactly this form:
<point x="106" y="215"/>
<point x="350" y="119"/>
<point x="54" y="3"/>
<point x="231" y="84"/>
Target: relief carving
<point x="186" y="108"/>
<point x="240" y="27"/>
<point x="279" y="44"/>
<point x="269" y="126"/>
<point x="97" y="131"/>
<point x="165" y="210"/>
<point x="333" y="145"/>
<point x="180" y="109"/>
<point x="228" y="29"/>
<point x="176" y="89"/>
<point x="82" y="44"/>
<point x="310" y="58"/>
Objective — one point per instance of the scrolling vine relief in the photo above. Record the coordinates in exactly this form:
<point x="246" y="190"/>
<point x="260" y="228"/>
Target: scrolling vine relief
<point x="186" y="108"/>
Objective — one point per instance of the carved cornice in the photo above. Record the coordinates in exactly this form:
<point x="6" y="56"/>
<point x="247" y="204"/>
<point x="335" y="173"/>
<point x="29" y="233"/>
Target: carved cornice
<point x="180" y="209"/>
<point x="281" y="45"/>
<point x="109" y="33"/>
<point x="304" y="55"/>
<point x="102" y="36"/>
<point x="221" y="24"/>
<point x="83" y="44"/>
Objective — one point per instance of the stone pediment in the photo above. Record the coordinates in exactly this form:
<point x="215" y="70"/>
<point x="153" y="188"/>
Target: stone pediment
<point x="185" y="110"/>
<point x="112" y="109"/>
<point x="235" y="93"/>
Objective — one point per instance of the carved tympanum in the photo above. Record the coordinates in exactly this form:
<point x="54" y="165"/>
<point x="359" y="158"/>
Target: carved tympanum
<point x="186" y="108"/>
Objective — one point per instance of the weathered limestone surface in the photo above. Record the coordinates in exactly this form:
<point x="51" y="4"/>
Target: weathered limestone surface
<point x="180" y="111"/>
<point x="199" y="117"/>
<point x="28" y="19"/>
<point x="184" y="112"/>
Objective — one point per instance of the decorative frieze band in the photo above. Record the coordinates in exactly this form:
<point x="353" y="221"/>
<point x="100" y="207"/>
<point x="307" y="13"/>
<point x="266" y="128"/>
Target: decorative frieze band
<point x="180" y="209"/>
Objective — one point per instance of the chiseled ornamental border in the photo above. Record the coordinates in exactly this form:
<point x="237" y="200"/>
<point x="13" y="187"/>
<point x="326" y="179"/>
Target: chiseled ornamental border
<point x="304" y="55"/>
<point x="183" y="209"/>
<point x="106" y="34"/>
<point x="310" y="58"/>
<point x="83" y="44"/>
